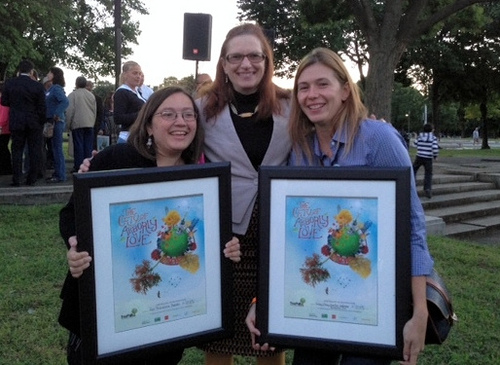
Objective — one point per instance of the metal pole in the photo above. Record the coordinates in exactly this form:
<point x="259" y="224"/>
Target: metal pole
<point x="118" y="41"/>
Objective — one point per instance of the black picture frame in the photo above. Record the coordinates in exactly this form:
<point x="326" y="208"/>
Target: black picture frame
<point x="323" y="283"/>
<point x="128" y="210"/>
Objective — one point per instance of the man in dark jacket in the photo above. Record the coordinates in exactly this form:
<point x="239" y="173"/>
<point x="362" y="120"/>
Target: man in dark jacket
<point x="26" y="99"/>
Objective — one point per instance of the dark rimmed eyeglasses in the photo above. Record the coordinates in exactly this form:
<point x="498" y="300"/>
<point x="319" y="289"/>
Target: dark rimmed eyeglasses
<point x="170" y="115"/>
<point x="254" y="57"/>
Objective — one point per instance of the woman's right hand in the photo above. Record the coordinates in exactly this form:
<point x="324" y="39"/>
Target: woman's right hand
<point x="77" y="261"/>
<point x="85" y="165"/>
<point x="254" y="332"/>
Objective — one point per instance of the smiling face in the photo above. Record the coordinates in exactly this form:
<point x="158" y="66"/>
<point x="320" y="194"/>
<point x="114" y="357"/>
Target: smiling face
<point x="320" y="94"/>
<point x="245" y="75"/>
<point x="172" y="137"/>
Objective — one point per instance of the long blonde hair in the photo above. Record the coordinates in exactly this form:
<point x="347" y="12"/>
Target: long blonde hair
<point x="221" y="91"/>
<point x="348" y="119"/>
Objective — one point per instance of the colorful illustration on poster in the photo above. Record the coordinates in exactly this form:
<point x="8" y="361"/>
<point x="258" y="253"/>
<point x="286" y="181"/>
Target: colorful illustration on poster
<point x="330" y="259"/>
<point x="158" y="261"/>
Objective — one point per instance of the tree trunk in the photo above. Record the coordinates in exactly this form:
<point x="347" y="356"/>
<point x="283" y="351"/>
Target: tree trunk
<point x="379" y="84"/>
<point x="436" y="114"/>
<point x="484" y="130"/>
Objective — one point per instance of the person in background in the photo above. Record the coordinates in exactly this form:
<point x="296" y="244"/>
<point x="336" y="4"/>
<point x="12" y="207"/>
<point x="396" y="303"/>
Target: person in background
<point x="109" y="128"/>
<point x="167" y="133"/>
<point x="203" y="82"/>
<point x="99" y="117"/>
<point x="245" y="117"/>
<point x="127" y="101"/>
<point x="144" y="90"/>
<point x="26" y="99"/>
<point x="5" y="156"/>
<point x="329" y="127"/>
<point x="26" y="159"/>
<point x="427" y="151"/>
<point x="57" y="103"/>
<point x="475" y="136"/>
<point x="47" y="155"/>
<point x="81" y="116"/>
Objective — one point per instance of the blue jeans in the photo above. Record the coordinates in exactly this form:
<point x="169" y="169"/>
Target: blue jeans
<point x="323" y="357"/>
<point x="83" y="142"/>
<point x="57" y="151"/>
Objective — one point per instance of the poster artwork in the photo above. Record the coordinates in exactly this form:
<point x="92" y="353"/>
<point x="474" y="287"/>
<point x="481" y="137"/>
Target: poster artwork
<point x="331" y="259"/>
<point x="158" y="261"/>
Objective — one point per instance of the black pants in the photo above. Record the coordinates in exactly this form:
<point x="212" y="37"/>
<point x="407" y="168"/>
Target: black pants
<point x="427" y="163"/>
<point x="74" y="355"/>
<point x="5" y="156"/>
<point x="33" y="138"/>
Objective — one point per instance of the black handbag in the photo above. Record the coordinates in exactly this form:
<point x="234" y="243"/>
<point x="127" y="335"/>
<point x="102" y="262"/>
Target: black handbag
<point x="440" y="308"/>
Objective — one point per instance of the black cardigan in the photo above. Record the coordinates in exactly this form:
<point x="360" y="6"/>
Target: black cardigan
<point x="115" y="157"/>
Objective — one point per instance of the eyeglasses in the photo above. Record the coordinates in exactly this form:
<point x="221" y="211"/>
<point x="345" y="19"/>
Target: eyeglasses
<point x="236" y="58"/>
<point x="171" y="115"/>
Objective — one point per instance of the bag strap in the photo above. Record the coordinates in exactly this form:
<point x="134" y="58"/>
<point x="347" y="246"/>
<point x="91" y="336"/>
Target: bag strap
<point x="434" y="284"/>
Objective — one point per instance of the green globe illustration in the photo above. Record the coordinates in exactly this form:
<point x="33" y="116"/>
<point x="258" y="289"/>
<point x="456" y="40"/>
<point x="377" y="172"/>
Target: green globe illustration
<point x="347" y="244"/>
<point x="175" y="244"/>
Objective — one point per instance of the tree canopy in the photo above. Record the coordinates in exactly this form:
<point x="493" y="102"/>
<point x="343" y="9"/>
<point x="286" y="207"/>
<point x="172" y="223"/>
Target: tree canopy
<point x="78" y="34"/>
<point x="376" y="33"/>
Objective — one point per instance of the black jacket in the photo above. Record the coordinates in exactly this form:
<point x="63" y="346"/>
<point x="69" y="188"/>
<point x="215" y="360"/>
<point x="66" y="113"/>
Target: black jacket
<point x="26" y="99"/>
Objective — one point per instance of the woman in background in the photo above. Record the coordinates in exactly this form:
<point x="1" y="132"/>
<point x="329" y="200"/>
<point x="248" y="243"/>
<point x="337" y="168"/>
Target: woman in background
<point x="5" y="156"/>
<point x="57" y="102"/>
<point x="126" y="99"/>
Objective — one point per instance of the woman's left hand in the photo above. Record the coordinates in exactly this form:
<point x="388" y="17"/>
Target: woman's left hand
<point x="414" y="339"/>
<point x="232" y="250"/>
<point x="414" y="330"/>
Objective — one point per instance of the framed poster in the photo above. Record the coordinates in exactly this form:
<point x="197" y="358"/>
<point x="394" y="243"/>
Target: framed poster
<point x="158" y="279"/>
<point x="102" y="142"/>
<point x="334" y="270"/>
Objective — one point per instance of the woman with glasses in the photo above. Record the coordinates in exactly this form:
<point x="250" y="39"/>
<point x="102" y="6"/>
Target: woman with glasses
<point x="245" y="118"/>
<point x="166" y="133"/>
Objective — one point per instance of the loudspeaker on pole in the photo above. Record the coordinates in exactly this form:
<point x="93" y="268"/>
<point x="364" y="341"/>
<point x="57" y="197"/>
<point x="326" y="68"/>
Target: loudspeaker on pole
<point x="197" y="36"/>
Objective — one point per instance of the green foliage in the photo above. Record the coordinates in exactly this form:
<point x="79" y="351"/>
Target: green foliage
<point x="76" y="34"/>
<point x="103" y="88"/>
<point x="188" y="83"/>
<point x="407" y="108"/>
<point x="376" y="33"/>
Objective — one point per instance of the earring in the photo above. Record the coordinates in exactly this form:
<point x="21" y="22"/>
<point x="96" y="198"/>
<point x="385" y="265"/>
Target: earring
<point x="149" y="143"/>
<point x="226" y="79"/>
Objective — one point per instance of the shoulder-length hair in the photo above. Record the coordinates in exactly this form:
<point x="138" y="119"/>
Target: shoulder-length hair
<point x="221" y="91"/>
<point x="138" y="136"/>
<point x="347" y="120"/>
<point x="58" y="78"/>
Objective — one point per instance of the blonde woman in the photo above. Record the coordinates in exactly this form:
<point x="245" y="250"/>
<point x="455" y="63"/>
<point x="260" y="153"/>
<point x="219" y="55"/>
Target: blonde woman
<point x="127" y="101"/>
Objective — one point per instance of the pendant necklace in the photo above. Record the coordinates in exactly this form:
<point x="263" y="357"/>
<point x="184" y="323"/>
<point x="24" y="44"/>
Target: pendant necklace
<point x="242" y="115"/>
